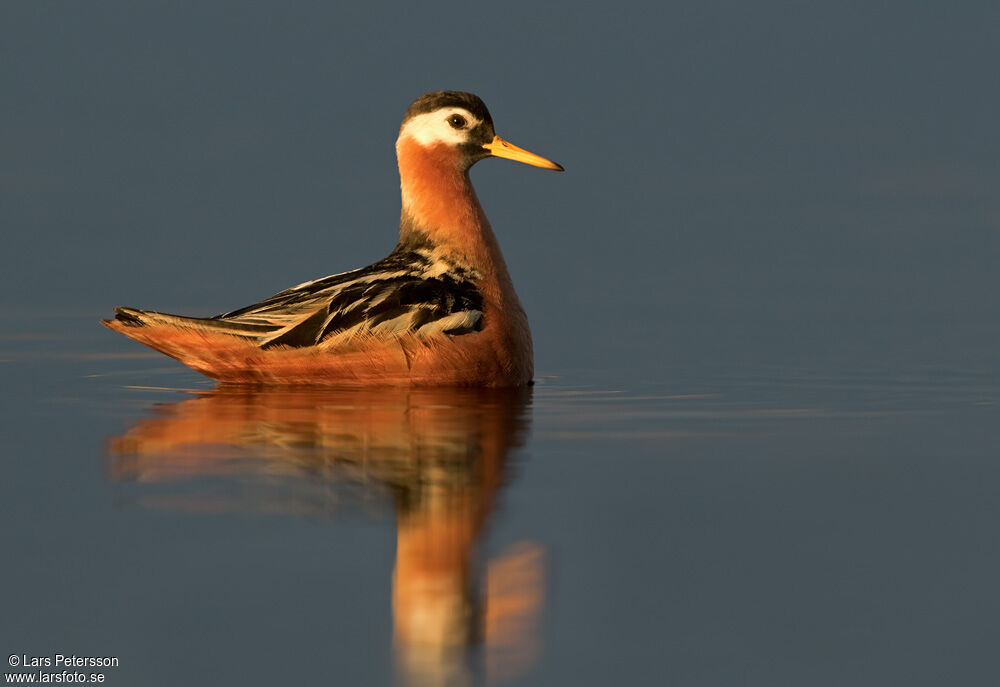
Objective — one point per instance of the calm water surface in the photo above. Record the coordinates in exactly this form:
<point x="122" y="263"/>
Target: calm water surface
<point x="689" y="525"/>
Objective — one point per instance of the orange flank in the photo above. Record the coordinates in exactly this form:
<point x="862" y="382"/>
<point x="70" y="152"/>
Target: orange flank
<point x="402" y="359"/>
<point x="440" y="310"/>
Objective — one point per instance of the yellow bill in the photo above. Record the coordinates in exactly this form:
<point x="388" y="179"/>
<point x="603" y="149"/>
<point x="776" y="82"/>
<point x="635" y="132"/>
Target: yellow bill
<point x="501" y="148"/>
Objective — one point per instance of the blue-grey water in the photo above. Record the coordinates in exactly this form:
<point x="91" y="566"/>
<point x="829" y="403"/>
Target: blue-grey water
<point x="711" y="524"/>
<point x="762" y="447"/>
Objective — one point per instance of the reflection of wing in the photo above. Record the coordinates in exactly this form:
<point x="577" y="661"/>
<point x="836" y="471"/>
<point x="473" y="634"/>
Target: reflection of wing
<point x="409" y="291"/>
<point x="398" y="437"/>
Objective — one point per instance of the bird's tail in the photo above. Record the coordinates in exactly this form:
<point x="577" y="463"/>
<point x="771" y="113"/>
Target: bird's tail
<point x="126" y="318"/>
<point x="155" y="329"/>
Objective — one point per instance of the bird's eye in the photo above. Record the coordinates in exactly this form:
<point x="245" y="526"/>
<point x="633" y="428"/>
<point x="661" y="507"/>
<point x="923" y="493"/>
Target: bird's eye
<point x="457" y="121"/>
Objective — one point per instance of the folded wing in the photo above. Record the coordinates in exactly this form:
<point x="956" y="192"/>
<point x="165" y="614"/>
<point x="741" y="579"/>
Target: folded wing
<point x="406" y="292"/>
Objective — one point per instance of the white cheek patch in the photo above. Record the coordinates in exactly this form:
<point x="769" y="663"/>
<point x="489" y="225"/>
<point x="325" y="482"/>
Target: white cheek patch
<point x="433" y="127"/>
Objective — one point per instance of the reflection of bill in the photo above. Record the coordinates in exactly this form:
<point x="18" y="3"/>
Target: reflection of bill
<point x="442" y="454"/>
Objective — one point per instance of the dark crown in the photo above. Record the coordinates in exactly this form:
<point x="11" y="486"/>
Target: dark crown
<point x="438" y="99"/>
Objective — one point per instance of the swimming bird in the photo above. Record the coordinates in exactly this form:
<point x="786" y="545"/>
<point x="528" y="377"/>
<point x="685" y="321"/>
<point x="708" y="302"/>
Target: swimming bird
<point x="440" y="309"/>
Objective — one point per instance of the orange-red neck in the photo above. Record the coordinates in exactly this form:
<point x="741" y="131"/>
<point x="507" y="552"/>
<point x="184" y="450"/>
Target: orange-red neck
<point x="439" y="202"/>
<point x="440" y="206"/>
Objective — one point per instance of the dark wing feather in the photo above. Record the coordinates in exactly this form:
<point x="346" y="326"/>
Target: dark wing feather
<point x="410" y="302"/>
<point x="397" y="294"/>
<point x="404" y="261"/>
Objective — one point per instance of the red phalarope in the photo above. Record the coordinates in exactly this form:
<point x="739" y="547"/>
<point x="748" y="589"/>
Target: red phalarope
<point x="439" y="310"/>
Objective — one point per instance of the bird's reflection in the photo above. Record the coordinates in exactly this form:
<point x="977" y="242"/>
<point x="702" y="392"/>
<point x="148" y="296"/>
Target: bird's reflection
<point x="439" y="456"/>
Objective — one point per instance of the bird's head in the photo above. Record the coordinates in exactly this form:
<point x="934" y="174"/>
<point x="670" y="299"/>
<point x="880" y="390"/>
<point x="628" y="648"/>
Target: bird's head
<point x="457" y="127"/>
